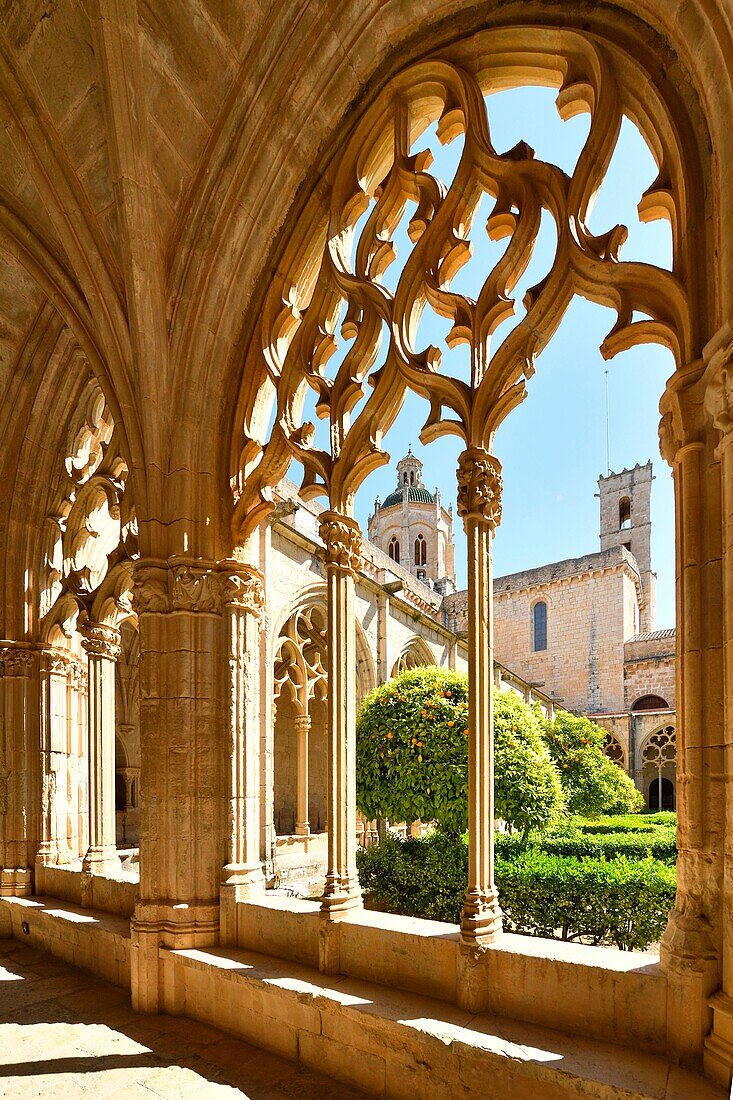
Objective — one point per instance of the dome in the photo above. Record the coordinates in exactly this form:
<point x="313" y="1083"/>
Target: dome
<point x="417" y="493"/>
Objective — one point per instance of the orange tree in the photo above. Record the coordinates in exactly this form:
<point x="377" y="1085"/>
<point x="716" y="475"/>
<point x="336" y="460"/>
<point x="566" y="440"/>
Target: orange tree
<point x="412" y="755"/>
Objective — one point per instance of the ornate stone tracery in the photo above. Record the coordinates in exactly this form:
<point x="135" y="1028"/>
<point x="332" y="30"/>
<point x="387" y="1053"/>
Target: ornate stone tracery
<point x="338" y="297"/>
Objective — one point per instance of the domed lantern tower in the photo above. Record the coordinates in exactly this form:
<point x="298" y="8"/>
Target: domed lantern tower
<point x="414" y="529"/>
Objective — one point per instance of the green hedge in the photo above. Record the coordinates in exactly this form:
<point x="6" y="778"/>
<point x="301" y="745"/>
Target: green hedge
<point x="631" y="823"/>
<point x="622" y="902"/>
<point x="657" y="844"/>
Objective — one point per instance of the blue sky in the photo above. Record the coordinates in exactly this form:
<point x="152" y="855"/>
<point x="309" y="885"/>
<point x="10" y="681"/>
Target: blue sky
<point x="553" y="447"/>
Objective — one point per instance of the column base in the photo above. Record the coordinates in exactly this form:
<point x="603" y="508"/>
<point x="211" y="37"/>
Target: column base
<point x="690" y="963"/>
<point x="718" y="1057"/>
<point x="340" y="898"/>
<point x="101" y="860"/>
<point x="157" y="926"/>
<point x="480" y="918"/>
<point x="303" y="829"/>
<point x="16" y="882"/>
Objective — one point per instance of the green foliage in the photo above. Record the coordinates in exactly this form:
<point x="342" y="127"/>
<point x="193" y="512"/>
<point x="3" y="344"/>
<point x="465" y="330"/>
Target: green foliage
<point x="627" y="823"/>
<point x="419" y="877"/>
<point x="620" y="902"/>
<point x="592" y="784"/>
<point x="527" y="786"/>
<point x="412" y="754"/>
<point x="412" y="751"/>
<point x="623" y="902"/>
<point x="657" y="844"/>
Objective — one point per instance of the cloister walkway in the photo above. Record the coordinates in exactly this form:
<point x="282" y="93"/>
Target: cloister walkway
<point x="65" y="1033"/>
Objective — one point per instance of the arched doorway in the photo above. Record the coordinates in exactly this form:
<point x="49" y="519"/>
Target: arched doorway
<point x="661" y="794"/>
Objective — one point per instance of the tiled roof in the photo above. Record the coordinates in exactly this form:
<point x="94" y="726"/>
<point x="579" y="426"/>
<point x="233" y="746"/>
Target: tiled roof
<point x="653" y="635"/>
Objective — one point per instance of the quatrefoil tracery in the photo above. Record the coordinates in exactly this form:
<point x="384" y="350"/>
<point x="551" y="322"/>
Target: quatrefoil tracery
<point x="380" y="181"/>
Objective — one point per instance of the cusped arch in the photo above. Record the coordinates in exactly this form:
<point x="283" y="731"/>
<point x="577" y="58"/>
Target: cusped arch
<point x="295" y="333"/>
<point x="416" y="653"/>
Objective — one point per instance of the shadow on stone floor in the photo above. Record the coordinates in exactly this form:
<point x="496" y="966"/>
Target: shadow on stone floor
<point x="65" y="1033"/>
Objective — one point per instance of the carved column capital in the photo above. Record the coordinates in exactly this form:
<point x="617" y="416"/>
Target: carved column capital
<point x="718" y="380"/>
<point x="479" y="486"/>
<point x="150" y="587"/>
<point x="342" y="538"/>
<point x="241" y="586"/>
<point x="16" y="661"/>
<point x="302" y="723"/>
<point x="196" y="585"/>
<point x="100" y="640"/>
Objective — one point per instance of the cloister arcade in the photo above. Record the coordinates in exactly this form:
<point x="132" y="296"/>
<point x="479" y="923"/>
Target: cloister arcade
<point x="169" y="376"/>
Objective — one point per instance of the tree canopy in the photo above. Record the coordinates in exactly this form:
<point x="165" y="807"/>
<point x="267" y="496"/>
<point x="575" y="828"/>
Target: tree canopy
<point x="592" y="784"/>
<point x="412" y="754"/>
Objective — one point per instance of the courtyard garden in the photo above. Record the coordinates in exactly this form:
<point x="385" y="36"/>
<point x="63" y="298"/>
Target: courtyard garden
<point x="577" y="859"/>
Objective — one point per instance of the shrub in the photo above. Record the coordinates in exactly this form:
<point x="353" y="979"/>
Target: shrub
<point x="419" y="877"/>
<point x="412" y="754"/>
<point x="658" y="844"/>
<point x="592" y="784"/>
<point x="620" y="902"/>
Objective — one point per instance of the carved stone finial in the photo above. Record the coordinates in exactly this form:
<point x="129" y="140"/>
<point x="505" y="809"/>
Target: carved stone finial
<point x="342" y="538"/>
<point x="100" y="640"/>
<point x="479" y="486"/>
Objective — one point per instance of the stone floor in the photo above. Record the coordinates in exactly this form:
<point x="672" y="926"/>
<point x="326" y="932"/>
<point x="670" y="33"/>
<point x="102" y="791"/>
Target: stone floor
<point x="65" y="1033"/>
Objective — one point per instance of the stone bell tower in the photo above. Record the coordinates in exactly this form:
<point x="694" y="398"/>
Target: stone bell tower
<point x="414" y="529"/>
<point x="626" y="521"/>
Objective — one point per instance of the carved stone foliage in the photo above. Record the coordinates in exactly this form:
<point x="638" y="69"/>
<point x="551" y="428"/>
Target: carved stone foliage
<point x="196" y="586"/>
<point x="479" y="486"/>
<point x="99" y="640"/>
<point x="16" y="662"/>
<point x="336" y="332"/>
<point x="300" y="658"/>
<point x="342" y="539"/>
<point x="92" y="521"/>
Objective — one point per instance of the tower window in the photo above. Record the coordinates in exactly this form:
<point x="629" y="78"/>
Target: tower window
<point x="421" y="551"/>
<point x="624" y="512"/>
<point x="539" y="627"/>
<point x="394" y="550"/>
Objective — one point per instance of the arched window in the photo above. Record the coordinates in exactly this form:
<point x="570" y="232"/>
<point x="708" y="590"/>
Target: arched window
<point x="539" y="626"/>
<point x="651" y="702"/>
<point x="120" y="793"/>
<point x="624" y="512"/>
<point x="421" y="551"/>
<point x="394" y="549"/>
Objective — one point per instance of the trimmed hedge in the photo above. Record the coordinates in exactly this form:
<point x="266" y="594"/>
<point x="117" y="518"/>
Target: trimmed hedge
<point x="657" y="844"/>
<point x="621" y="902"/>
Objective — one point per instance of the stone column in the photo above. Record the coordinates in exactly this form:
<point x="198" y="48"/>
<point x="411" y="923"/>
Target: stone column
<point x="479" y="504"/>
<point x="19" y="794"/>
<point x="342" y="539"/>
<point x="243" y="604"/>
<point x="183" y="841"/>
<point x="102" y="646"/>
<point x="302" y="731"/>
<point x="690" y="955"/>
<point x="718" y="380"/>
<point x="52" y="744"/>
